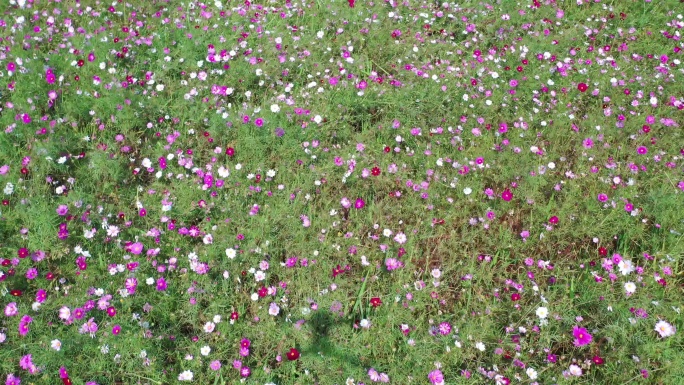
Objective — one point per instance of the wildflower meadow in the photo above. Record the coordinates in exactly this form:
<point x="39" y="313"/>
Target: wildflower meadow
<point x="341" y="192"/>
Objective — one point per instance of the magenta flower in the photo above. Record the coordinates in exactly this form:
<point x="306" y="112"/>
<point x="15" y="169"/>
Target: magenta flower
<point x="161" y="284"/>
<point x="24" y="325"/>
<point x="602" y="197"/>
<point x="13" y="380"/>
<point x="359" y="204"/>
<point x="444" y="328"/>
<point x="245" y="371"/>
<point x="25" y="362"/>
<point x="641" y="150"/>
<point x="245" y="343"/>
<point x="507" y="195"/>
<point x="582" y="336"/>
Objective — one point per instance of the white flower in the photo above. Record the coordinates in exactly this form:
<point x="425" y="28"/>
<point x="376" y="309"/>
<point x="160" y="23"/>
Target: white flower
<point x="275" y="108"/>
<point x="318" y="119"/>
<point x="542" y="312"/>
<point x="231" y="253"/>
<point x="56" y="345"/>
<point x="254" y="296"/>
<point x="467" y="190"/>
<point x="436" y="273"/>
<point x="259" y="276"/>
<point x="630" y="287"/>
<point x="205" y="350"/>
<point x="366" y="324"/>
<point x="9" y="189"/>
<point x="575" y="370"/>
<point x="665" y="329"/>
<point x="209" y="327"/>
<point x="625" y="266"/>
<point x="271" y="173"/>
<point x="531" y="373"/>
<point x="217" y="319"/>
<point x="387" y="233"/>
<point x="223" y="172"/>
<point x="185" y="376"/>
<point x="149" y="281"/>
<point x="480" y="346"/>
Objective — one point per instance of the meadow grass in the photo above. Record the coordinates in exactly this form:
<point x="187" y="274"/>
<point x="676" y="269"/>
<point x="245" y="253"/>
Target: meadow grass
<point x="341" y="192"/>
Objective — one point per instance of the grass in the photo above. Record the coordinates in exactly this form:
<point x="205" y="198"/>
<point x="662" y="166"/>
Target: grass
<point x="269" y="118"/>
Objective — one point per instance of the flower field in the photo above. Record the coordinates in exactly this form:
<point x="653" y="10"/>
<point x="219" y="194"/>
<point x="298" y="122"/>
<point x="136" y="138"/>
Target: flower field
<point x="341" y="192"/>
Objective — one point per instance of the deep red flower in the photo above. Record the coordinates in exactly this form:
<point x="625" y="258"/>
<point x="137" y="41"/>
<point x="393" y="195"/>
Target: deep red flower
<point x="337" y="270"/>
<point x="387" y="149"/>
<point x="262" y="292"/>
<point x="375" y="301"/>
<point x="234" y="316"/>
<point x="293" y="354"/>
<point x="515" y="297"/>
<point x="230" y="151"/>
<point x="597" y="360"/>
<point x="5" y="262"/>
<point x="375" y="171"/>
<point x="582" y="87"/>
<point x="603" y="251"/>
<point x="351" y="3"/>
<point x="16" y="293"/>
<point x="22" y="253"/>
<point x="67" y="381"/>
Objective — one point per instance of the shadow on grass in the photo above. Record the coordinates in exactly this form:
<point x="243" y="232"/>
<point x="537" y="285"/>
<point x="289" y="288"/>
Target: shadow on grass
<point x="320" y="325"/>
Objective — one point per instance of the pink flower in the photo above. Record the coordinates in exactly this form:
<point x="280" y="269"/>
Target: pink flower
<point x="136" y="248"/>
<point x="11" y="309"/>
<point x="215" y="365"/>
<point x="436" y="377"/>
<point x="602" y="197"/>
<point x="393" y="264"/>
